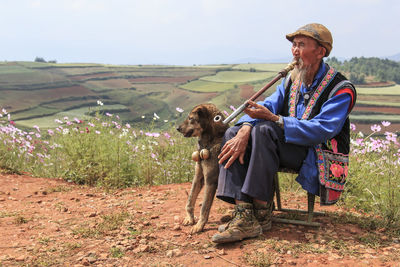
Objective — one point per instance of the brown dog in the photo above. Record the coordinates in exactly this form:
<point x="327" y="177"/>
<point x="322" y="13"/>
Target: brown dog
<point x="200" y="123"/>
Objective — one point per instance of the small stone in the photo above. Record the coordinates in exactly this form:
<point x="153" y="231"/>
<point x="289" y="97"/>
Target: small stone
<point x="154" y="217"/>
<point x="207" y="257"/>
<point x="177" y="227"/>
<point x="92" y="214"/>
<point x="221" y="252"/>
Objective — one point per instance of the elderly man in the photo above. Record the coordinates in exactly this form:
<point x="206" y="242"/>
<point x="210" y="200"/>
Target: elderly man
<point x="306" y="116"/>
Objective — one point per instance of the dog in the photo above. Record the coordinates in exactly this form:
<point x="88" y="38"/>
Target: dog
<point x="200" y="123"/>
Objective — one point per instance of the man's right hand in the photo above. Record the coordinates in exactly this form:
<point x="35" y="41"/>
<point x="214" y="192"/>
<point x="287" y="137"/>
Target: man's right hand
<point x="235" y="147"/>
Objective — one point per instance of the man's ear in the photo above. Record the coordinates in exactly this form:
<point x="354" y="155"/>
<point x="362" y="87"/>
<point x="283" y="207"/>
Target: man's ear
<point x="322" y="52"/>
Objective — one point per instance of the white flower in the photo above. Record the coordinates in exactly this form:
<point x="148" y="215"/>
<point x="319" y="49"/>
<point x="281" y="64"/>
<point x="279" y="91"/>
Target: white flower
<point x="156" y="116"/>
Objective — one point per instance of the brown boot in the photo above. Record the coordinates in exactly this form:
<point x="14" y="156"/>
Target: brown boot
<point x="243" y="225"/>
<point x="263" y="213"/>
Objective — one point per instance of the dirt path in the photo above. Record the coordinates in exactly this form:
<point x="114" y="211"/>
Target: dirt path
<point x="48" y="222"/>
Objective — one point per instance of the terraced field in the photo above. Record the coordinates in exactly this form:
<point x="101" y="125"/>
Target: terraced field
<point x="37" y="93"/>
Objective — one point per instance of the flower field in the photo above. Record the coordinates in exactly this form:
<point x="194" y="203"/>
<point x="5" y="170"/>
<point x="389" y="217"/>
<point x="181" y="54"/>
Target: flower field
<point x="103" y="151"/>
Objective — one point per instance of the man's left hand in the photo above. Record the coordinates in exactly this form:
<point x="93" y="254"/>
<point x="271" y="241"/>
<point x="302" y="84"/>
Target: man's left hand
<point x="257" y="111"/>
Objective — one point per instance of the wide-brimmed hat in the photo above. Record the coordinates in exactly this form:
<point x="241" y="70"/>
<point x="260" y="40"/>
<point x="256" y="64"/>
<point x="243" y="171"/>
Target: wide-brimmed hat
<point x="316" y="31"/>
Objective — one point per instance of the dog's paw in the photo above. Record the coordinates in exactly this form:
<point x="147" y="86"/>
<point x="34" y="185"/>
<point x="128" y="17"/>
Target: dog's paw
<point x="197" y="228"/>
<point x="188" y="221"/>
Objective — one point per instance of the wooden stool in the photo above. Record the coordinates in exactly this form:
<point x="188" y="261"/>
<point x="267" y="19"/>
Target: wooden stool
<point x="310" y="208"/>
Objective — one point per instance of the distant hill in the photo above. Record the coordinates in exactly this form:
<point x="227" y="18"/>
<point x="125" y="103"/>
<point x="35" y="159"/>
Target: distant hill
<point x="39" y="93"/>
<point x="395" y="57"/>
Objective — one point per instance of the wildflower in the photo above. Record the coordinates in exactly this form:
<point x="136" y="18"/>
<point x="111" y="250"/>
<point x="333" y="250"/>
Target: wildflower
<point x="128" y="125"/>
<point x="165" y="120"/>
<point x="69" y="123"/>
<point x="97" y="132"/>
<point x="66" y="118"/>
<point x="167" y="135"/>
<point x="99" y="103"/>
<point x="143" y="116"/>
<point x="392" y="137"/>
<point x="91" y="124"/>
<point x="156" y="116"/>
<point x="12" y="123"/>
<point x="154" y="156"/>
<point x="386" y="123"/>
<point x="4" y="111"/>
<point x="232" y="107"/>
<point x="8" y="116"/>
<point x="375" y="128"/>
<point x="116" y="116"/>
<point x="37" y="135"/>
<point x="36" y="127"/>
<point x="179" y="110"/>
<point x="352" y="126"/>
<point x="58" y="121"/>
<point x="65" y="131"/>
<point x="108" y="114"/>
<point x="77" y="120"/>
<point x="226" y="113"/>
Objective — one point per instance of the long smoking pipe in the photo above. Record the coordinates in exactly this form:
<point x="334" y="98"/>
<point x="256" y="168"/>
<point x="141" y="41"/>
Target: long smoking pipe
<point x="242" y="107"/>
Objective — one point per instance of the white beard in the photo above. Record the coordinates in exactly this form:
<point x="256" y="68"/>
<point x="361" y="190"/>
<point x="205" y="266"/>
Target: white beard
<point x="300" y="72"/>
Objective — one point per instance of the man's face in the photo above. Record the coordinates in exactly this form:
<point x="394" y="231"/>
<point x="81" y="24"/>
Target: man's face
<point x="308" y="50"/>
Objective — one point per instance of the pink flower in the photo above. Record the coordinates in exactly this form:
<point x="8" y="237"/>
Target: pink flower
<point x="336" y="170"/>
<point x="232" y="107"/>
<point x="352" y="126"/>
<point x="386" y="123"/>
<point x="179" y="110"/>
<point x="376" y="128"/>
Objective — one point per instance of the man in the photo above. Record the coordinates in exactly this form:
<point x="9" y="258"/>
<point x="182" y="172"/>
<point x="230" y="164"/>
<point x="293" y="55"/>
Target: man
<point x="308" y="113"/>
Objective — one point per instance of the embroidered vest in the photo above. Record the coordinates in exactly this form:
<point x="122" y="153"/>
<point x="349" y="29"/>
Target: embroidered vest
<point x="333" y="154"/>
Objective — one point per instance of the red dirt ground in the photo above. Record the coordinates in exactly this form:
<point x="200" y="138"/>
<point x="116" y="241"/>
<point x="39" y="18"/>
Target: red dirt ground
<point x="50" y="222"/>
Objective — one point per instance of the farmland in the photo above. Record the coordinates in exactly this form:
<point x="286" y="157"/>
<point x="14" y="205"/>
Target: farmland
<point x="37" y="93"/>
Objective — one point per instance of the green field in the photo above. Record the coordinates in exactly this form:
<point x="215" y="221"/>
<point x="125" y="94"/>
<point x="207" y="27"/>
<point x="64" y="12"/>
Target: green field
<point x="238" y="76"/>
<point x="391" y="90"/>
<point x="80" y="113"/>
<point x="261" y="67"/>
<point x="206" y="86"/>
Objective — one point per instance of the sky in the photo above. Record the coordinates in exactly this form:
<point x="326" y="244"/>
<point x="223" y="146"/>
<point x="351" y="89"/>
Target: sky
<point x="188" y="32"/>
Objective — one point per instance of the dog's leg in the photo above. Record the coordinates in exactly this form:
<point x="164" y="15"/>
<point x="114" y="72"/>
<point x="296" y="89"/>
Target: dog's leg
<point x="209" y="193"/>
<point x="197" y="184"/>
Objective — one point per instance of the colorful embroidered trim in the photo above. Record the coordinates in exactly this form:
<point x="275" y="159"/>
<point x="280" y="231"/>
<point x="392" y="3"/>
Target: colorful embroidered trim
<point x="293" y="98"/>
<point x="324" y="83"/>
<point x="333" y="168"/>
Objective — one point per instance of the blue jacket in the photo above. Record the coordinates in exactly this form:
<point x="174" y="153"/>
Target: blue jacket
<point x="322" y="127"/>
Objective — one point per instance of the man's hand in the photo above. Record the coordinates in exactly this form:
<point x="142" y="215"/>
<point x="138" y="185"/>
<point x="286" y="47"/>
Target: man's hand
<point x="235" y="147"/>
<point x="257" y="111"/>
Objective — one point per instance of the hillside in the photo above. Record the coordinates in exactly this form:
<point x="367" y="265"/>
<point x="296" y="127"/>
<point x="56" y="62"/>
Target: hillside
<point x="37" y="93"/>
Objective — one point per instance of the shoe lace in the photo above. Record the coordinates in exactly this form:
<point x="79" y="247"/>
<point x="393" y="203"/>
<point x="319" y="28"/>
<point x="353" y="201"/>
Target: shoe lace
<point x="238" y="213"/>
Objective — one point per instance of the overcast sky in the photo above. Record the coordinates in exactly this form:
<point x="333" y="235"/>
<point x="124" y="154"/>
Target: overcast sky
<point x="187" y="32"/>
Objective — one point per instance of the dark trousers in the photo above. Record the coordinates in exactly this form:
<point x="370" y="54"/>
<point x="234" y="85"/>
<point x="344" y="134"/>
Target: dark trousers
<point x="266" y="153"/>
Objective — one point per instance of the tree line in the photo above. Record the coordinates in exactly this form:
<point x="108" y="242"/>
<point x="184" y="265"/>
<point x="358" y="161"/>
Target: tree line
<point x="357" y="69"/>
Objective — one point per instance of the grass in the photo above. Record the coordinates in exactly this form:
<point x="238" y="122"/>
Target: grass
<point x="49" y="121"/>
<point x="207" y="86"/>
<point x="392" y="90"/>
<point x="273" y="67"/>
<point x="238" y="76"/>
<point x="378" y="103"/>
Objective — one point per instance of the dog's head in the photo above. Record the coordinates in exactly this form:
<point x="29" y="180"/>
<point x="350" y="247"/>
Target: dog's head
<point x="200" y="121"/>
